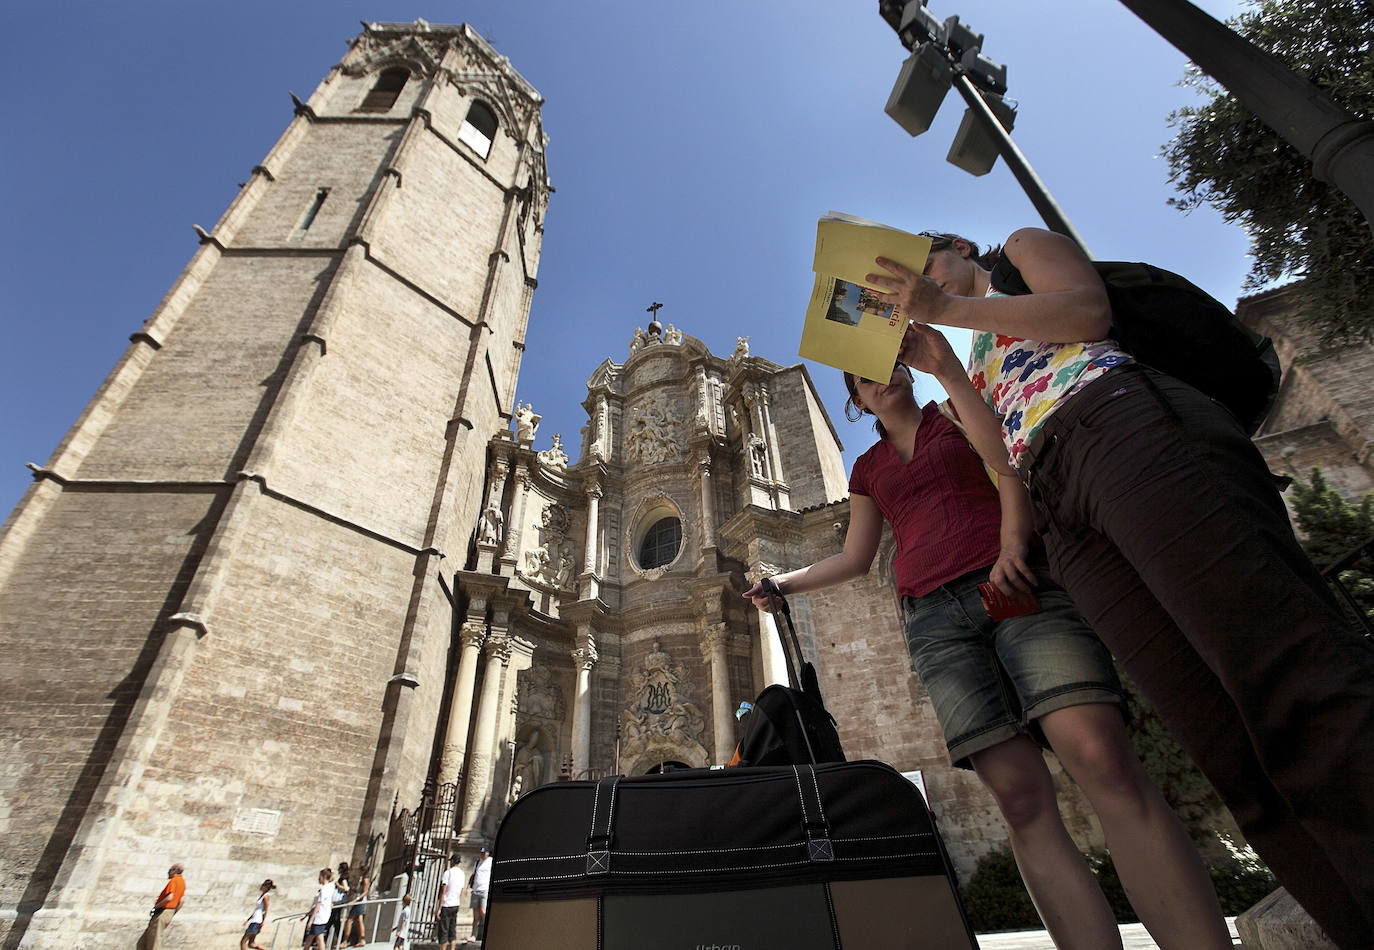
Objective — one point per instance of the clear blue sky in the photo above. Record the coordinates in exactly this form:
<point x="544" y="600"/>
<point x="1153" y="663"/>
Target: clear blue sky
<point x="692" y="147"/>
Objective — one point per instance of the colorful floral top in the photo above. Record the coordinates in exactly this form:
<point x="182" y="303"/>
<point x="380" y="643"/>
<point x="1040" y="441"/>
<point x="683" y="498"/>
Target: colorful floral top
<point x="1024" y="381"/>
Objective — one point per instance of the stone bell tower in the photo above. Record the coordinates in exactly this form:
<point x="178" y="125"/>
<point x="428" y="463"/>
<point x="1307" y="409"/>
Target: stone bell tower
<point x="221" y="606"/>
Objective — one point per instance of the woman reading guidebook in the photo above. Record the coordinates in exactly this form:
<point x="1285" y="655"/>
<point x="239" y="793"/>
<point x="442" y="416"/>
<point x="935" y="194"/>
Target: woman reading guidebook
<point x="956" y="531"/>
<point x="1162" y="520"/>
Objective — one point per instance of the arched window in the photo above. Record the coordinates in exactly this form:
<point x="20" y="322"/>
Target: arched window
<point x="479" y="128"/>
<point x="388" y="87"/>
<point x="660" y="543"/>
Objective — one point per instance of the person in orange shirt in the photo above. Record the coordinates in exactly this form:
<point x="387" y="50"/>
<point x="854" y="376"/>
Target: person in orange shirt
<point x="164" y="908"/>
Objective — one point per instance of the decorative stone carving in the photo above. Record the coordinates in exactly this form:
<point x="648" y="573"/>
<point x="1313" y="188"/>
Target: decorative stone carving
<point x="554" y="457"/>
<point x="526" y="422"/>
<point x="538" y="695"/>
<point x="654" y="434"/>
<point x="585" y="657"/>
<point x="741" y="348"/>
<point x="672" y="336"/>
<point x="492" y="527"/>
<point x="660" y="714"/>
<point x="554" y="562"/>
<point x="473" y="632"/>
<point x="638" y="339"/>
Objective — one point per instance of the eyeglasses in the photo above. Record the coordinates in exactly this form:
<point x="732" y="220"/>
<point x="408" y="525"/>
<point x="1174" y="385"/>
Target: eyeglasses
<point x="939" y="240"/>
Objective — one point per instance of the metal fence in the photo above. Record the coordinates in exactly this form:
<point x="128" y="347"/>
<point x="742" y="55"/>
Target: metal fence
<point x="1332" y="572"/>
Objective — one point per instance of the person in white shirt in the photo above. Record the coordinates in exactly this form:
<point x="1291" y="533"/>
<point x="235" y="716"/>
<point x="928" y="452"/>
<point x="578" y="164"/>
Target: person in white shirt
<point x="320" y="910"/>
<point x="479" y="882"/>
<point x="401" y="932"/>
<point x="450" y="895"/>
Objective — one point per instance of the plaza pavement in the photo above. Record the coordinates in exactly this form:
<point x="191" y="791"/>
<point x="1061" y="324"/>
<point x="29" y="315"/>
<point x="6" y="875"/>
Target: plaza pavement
<point x="1133" y="937"/>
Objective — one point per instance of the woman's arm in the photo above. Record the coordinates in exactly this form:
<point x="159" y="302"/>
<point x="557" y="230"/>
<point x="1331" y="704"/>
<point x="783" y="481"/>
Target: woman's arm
<point x="1011" y="572"/>
<point x="927" y="351"/>
<point x="1068" y="303"/>
<point x="860" y="545"/>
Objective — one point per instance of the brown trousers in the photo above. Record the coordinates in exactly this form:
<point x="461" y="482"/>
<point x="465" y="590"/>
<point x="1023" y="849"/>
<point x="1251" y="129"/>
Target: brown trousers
<point x="152" y="936"/>
<point x="1162" y="520"/>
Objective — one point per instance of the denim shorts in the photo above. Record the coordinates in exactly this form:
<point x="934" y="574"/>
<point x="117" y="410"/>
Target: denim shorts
<point x="990" y="680"/>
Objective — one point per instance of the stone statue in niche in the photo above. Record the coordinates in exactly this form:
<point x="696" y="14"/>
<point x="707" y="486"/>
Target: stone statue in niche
<point x="492" y="527"/>
<point x="538" y="696"/>
<point x="758" y="456"/>
<point x="526" y="422"/>
<point x="567" y="570"/>
<point x="530" y="769"/>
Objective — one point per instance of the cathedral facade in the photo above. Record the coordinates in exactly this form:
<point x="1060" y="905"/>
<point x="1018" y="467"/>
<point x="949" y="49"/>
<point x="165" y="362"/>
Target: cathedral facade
<point x="304" y="560"/>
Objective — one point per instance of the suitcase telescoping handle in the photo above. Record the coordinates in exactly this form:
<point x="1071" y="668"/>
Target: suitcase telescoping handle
<point x="779" y="605"/>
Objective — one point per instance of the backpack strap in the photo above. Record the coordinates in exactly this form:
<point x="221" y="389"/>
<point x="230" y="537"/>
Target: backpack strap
<point x="603" y="822"/>
<point x="1006" y="279"/>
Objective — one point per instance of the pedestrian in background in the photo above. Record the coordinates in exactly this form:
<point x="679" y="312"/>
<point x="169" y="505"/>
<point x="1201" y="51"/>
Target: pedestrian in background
<point x="400" y="934"/>
<point x="478" y="883"/>
<point x="450" y="894"/>
<point x="255" y="919"/>
<point x="164" y="908"/>
<point x="355" y="925"/>
<point x="335" y="930"/>
<point x="317" y="917"/>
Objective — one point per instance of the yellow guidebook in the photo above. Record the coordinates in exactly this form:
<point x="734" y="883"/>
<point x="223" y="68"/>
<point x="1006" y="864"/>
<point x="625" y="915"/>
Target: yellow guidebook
<point x="848" y="324"/>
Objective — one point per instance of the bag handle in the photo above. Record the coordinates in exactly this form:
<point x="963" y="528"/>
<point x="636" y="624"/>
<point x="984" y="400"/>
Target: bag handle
<point x="603" y="822"/>
<point x="779" y="605"/>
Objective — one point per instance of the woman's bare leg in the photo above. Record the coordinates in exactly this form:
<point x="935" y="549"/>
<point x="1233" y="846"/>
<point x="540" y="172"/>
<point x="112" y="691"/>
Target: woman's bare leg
<point x="1064" y="891"/>
<point x="1158" y="865"/>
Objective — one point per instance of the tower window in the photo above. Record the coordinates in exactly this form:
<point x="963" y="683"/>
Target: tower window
<point x="313" y="211"/>
<point x="386" y="90"/>
<point x="479" y="128"/>
<point x="661" y="543"/>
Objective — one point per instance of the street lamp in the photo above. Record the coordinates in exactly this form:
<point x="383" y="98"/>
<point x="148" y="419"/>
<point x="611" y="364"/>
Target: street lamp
<point x="950" y="53"/>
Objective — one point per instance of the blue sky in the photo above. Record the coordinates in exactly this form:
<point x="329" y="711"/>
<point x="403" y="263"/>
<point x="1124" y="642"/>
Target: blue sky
<point x="692" y="147"/>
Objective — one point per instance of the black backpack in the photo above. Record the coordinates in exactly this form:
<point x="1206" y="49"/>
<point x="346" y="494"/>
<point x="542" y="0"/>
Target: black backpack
<point x="1172" y="325"/>
<point x="789" y="725"/>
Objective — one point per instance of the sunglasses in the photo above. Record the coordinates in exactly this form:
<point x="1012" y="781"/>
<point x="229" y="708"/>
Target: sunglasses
<point x="906" y="371"/>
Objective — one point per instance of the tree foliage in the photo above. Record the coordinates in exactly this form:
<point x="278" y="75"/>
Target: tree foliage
<point x="1332" y="526"/>
<point x="1222" y="155"/>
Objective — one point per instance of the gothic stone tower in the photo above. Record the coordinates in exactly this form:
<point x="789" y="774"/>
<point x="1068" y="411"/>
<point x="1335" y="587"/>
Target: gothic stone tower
<point x="220" y="605"/>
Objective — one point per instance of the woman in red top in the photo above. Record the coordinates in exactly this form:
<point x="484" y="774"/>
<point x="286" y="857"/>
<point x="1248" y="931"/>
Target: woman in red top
<point x="1002" y="689"/>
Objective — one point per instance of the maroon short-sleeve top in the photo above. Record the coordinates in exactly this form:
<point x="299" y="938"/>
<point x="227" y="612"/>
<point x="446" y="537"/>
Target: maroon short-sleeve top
<point x="943" y="507"/>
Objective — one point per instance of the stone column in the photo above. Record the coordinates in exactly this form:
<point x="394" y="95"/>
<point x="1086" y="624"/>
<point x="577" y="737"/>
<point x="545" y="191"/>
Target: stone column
<point x="715" y="643"/>
<point x="511" y="551"/>
<point x="771" y="658"/>
<point x="489" y="542"/>
<point x="521" y="659"/>
<point x="601" y="429"/>
<point x="477" y="790"/>
<point x="770" y="435"/>
<point x="708" y="502"/>
<point x="590" y="580"/>
<point x="584" y="658"/>
<point x="460" y="711"/>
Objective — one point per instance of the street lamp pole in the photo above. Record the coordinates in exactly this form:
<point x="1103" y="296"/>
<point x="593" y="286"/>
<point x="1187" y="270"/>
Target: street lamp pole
<point x="1339" y="143"/>
<point x="1025" y="175"/>
<point x="950" y="53"/>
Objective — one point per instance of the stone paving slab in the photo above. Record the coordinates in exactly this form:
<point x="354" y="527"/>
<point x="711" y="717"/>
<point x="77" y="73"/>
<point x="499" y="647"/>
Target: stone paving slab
<point x="1133" y="937"/>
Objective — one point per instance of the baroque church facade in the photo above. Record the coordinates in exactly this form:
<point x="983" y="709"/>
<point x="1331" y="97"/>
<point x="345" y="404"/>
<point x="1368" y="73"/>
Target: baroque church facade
<point x="304" y="557"/>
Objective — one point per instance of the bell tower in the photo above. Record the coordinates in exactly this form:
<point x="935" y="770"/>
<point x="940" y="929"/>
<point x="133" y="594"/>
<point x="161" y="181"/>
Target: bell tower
<point x="220" y="602"/>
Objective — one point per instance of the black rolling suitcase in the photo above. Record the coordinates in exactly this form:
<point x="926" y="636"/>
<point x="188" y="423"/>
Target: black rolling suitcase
<point x="788" y="724"/>
<point x="840" y="855"/>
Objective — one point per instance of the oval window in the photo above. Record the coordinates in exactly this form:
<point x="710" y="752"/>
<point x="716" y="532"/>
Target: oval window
<point x="661" y="543"/>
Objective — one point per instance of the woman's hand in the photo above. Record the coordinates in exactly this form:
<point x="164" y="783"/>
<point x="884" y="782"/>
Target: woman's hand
<point x="1011" y="574"/>
<point x="917" y="297"/>
<point x="760" y="599"/>
<point x="926" y="350"/>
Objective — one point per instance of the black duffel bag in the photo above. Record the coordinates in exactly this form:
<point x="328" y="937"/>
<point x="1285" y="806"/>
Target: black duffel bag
<point x="789" y="858"/>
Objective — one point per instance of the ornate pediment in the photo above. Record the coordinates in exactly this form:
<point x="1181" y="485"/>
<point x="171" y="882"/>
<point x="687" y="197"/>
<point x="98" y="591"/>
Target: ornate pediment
<point x="419" y="52"/>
